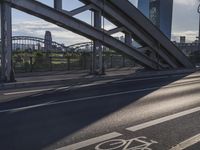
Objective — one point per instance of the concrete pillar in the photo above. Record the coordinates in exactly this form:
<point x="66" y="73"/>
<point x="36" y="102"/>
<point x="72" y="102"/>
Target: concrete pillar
<point x="97" y="47"/>
<point x="128" y="39"/>
<point x="1" y="69"/>
<point x="58" y="4"/>
<point x="6" y="45"/>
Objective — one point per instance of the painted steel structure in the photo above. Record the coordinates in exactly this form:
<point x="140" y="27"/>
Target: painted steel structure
<point x="23" y="43"/>
<point x="159" y="12"/>
<point x="31" y="43"/>
<point x="27" y="42"/>
<point x="134" y="25"/>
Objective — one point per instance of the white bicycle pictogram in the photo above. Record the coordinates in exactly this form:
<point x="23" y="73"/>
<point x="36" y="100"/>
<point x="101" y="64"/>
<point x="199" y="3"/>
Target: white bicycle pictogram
<point x="126" y="144"/>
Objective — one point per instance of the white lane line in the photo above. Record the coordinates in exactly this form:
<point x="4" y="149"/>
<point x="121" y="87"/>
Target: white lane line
<point x="84" y="85"/>
<point x="25" y="108"/>
<point x="91" y="141"/>
<point x="34" y="91"/>
<point x="163" y="119"/>
<point x="28" y="91"/>
<point x="76" y="100"/>
<point x="83" y="99"/>
<point x="187" y="143"/>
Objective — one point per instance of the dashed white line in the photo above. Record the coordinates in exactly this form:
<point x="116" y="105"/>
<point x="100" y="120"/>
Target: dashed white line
<point x="163" y="119"/>
<point x="91" y="141"/>
<point x="187" y="143"/>
<point x="105" y="137"/>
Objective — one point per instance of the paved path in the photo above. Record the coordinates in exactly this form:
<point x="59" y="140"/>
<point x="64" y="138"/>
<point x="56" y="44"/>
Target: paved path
<point x="157" y="112"/>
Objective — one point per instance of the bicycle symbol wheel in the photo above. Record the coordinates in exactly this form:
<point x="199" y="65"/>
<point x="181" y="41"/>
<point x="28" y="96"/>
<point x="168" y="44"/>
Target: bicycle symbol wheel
<point x="111" y="144"/>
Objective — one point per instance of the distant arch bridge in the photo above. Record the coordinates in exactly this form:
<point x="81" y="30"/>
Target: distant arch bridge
<point x="36" y="43"/>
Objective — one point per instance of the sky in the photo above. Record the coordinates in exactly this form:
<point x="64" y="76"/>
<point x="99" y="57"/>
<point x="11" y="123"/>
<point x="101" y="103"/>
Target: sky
<point x="185" y="22"/>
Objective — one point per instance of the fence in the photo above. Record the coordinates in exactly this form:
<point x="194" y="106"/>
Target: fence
<point x="34" y="62"/>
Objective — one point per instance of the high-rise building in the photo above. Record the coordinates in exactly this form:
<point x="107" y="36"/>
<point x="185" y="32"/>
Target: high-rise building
<point x="159" y="12"/>
<point x="47" y="41"/>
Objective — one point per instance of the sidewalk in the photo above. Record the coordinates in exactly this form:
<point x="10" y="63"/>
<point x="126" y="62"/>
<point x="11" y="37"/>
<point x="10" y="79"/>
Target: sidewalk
<point x="81" y="77"/>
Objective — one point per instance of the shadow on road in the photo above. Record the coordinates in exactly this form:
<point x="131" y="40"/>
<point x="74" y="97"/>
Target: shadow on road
<point x="39" y="127"/>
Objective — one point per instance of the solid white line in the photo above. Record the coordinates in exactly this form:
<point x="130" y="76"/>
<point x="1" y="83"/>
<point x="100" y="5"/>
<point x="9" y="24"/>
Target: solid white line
<point x="163" y="119"/>
<point x="149" y="78"/>
<point x="29" y="91"/>
<point x="85" y="85"/>
<point x="91" y="141"/>
<point x="187" y="143"/>
<point x="76" y="100"/>
<point x="63" y="88"/>
<point x="83" y="99"/>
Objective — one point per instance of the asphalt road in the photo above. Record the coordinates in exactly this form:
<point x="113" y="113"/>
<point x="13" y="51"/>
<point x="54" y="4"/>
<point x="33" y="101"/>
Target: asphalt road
<point x="158" y="113"/>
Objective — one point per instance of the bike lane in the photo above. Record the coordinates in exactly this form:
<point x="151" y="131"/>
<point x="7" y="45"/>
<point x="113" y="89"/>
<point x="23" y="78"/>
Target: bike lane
<point x="176" y="134"/>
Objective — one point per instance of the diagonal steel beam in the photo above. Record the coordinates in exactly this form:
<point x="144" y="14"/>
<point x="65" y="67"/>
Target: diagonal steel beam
<point x="116" y="30"/>
<point x="66" y="21"/>
<point x="81" y="9"/>
<point x="126" y="7"/>
<point x="120" y="18"/>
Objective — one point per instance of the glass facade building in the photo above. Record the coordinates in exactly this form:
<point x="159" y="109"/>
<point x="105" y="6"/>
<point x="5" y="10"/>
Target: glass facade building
<point x="159" y="12"/>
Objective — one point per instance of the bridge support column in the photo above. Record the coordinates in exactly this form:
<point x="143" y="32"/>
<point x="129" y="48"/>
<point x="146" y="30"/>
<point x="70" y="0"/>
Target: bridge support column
<point x="128" y="39"/>
<point x="6" y="43"/>
<point x="58" y="4"/>
<point x="97" y="66"/>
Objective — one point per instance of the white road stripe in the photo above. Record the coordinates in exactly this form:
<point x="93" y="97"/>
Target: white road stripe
<point x="91" y="141"/>
<point x="187" y="143"/>
<point x="87" y="98"/>
<point x="28" y="91"/>
<point x="76" y="100"/>
<point x="163" y="119"/>
<point x="84" y="85"/>
<point x="105" y="137"/>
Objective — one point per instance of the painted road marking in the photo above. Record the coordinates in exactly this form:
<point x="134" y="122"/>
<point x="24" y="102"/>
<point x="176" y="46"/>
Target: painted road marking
<point x="34" y="91"/>
<point x="91" y="141"/>
<point x="76" y="100"/>
<point x="28" y="91"/>
<point x="187" y="143"/>
<point x="57" y="102"/>
<point x="86" y="85"/>
<point x="163" y="119"/>
<point x="138" y="143"/>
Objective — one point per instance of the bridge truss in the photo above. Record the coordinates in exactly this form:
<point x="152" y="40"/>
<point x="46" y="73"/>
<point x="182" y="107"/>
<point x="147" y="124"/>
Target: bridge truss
<point x="164" y="54"/>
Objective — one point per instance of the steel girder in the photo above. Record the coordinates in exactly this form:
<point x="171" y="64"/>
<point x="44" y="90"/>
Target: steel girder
<point x="123" y="13"/>
<point x="68" y="22"/>
<point x="6" y="42"/>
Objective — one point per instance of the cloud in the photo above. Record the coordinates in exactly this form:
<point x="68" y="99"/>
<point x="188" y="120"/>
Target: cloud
<point x="186" y="2"/>
<point x="190" y="35"/>
<point x="38" y="28"/>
